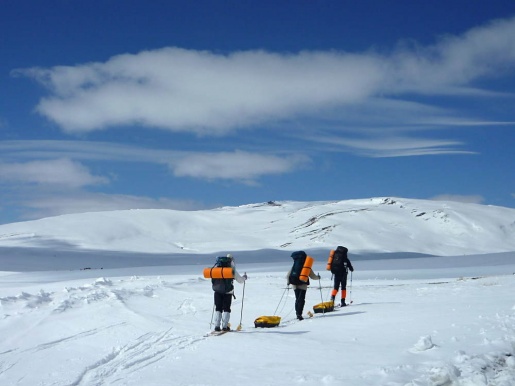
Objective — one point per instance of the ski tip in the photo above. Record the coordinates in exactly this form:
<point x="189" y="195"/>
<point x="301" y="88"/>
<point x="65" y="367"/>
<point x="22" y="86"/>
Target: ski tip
<point x="217" y="333"/>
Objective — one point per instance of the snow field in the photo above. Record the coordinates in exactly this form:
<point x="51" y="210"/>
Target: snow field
<point x="151" y="330"/>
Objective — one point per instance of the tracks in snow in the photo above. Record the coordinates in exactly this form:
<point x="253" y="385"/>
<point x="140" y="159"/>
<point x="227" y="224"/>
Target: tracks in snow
<point x="146" y="328"/>
<point x="133" y="356"/>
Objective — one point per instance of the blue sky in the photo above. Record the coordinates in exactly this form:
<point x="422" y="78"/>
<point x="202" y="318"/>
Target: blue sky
<point x="110" y="105"/>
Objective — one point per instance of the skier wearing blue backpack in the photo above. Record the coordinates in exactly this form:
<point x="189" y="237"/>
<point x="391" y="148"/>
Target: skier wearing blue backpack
<point x="300" y="287"/>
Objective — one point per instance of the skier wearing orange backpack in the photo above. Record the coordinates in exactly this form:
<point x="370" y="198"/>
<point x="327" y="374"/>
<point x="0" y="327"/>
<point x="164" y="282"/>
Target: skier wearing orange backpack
<point x="340" y="265"/>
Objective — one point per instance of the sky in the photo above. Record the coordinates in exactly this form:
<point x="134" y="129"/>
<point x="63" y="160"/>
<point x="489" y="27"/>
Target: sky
<point x="109" y="105"/>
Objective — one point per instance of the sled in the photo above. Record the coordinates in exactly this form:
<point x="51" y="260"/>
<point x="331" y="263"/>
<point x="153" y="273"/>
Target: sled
<point x="324" y="307"/>
<point x="267" y="321"/>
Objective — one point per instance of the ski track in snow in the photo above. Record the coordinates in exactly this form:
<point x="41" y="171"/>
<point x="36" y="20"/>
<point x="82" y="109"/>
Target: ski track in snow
<point x="132" y="356"/>
<point x="146" y="350"/>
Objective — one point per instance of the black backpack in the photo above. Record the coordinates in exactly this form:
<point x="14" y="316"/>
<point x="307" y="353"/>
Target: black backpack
<point x="339" y="263"/>
<point x="299" y="258"/>
<point x="222" y="285"/>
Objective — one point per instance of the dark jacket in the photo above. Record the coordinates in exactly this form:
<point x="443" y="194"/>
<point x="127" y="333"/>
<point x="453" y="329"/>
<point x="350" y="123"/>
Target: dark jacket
<point x="345" y="265"/>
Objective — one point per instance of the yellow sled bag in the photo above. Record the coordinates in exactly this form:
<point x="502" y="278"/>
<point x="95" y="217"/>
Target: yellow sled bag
<point x="321" y="308"/>
<point x="267" y="321"/>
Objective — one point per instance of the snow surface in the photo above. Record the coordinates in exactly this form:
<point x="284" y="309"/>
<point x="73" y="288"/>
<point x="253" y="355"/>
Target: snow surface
<point x="415" y="319"/>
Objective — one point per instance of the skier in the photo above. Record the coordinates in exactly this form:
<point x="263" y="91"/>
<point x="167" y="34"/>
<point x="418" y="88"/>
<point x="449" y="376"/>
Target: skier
<point x="339" y="268"/>
<point x="300" y="288"/>
<point x="224" y="292"/>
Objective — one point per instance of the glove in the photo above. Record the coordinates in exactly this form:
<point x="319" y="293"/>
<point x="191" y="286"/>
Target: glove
<point x="352" y="269"/>
<point x="245" y="276"/>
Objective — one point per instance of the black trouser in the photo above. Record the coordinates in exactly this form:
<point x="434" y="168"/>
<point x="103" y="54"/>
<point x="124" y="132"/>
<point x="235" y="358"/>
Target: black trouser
<point x="300" y="299"/>
<point x="340" y="279"/>
<point x="223" y="302"/>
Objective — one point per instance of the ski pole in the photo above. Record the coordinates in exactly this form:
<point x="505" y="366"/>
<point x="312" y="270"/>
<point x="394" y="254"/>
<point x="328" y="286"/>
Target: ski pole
<point x="242" y="299"/>
<point x="329" y="289"/>
<point x="212" y="313"/>
<point x="280" y="301"/>
<point x="320" y="288"/>
<point x="350" y="289"/>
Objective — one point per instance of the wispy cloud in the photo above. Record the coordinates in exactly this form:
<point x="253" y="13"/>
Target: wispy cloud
<point x="390" y="146"/>
<point x="48" y="183"/>
<point x="238" y="165"/>
<point x="449" y="66"/>
<point x="471" y="199"/>
<point x="59" y="172"/>
<point x="84" y="150"/>
<point x="40" y="204"/>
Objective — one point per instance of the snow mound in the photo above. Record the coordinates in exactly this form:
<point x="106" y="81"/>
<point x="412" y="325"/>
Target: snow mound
<point x="423" y="344"/>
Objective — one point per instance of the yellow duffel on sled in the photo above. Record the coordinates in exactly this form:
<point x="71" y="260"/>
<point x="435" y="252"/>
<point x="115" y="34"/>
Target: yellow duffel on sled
<point x="267" y="321"/>
<point x="324" y="307"/>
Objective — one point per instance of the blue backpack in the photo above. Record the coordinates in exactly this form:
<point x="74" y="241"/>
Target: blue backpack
<point x="299" y="258"/>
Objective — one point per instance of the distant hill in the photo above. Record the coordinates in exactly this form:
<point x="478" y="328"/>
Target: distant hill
<point x="364" y="225"/>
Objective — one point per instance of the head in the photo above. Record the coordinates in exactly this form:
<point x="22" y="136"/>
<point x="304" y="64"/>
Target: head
<point x="231" y="259"/>
<point x="342" y="249"/>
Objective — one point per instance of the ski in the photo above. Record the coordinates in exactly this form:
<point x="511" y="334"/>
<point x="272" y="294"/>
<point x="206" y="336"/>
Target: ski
<point x="218" y="333"/>
<point x="292" y="321"/>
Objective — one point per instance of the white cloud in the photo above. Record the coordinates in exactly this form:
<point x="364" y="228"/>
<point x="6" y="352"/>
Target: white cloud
<point x="237" y="165"/>
<point x="186" y="90"/>
<point x="62" y="172"/>
<point x="471" y="199"/>
<point x="204" y="92"/>
<point x="51" y="187"/>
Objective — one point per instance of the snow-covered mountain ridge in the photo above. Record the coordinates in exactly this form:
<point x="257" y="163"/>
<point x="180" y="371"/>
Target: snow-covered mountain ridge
<point x="363" y="225"/>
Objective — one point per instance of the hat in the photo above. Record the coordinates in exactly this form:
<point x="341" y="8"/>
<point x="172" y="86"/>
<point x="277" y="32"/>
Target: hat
<point x="229" y="256"/>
